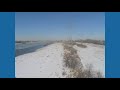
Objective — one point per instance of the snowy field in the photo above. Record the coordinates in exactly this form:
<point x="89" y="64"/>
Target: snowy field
<point x="44" y="63"/>
<point x="94" y="54"/>
<point x="48" y="62"/>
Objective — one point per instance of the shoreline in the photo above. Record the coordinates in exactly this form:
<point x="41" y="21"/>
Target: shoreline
<point x="23" y="51"/>
<point x="49" y="62"/>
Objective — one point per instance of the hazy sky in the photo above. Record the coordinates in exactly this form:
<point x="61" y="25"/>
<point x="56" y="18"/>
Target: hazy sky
<point x="59" y="25"/>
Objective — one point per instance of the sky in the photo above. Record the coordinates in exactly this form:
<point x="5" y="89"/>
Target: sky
<point x="59" y="25"/>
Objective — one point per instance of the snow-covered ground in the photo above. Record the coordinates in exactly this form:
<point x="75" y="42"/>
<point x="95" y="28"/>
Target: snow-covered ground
<point x="94" y="54"/>
<point x="48" y="61"/>
<point x="44" y="63"/>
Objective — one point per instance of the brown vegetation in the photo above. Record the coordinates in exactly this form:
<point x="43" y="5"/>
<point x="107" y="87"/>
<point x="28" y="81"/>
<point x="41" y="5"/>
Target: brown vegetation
<point x="73" y="62"/>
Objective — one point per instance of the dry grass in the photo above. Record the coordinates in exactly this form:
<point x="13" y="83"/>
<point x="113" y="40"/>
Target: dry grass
<point x="71" y="58"/>
<point x="64" y="73"/>
<point x="99" y="75"/>
<point x="87" y="73"/>
<point x="73" y="62"/>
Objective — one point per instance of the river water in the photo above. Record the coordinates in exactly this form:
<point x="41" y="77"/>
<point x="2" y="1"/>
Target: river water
<point x="23" y="48"/>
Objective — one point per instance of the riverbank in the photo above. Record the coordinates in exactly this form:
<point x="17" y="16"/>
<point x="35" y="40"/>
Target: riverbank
<point x="48" y="62"/>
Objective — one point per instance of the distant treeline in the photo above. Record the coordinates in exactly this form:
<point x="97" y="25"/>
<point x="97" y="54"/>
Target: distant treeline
<point x="24" y="41"/>
<point x="100" y="42"/>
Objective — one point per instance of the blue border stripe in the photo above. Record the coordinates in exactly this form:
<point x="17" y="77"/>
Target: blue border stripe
<point x="112" y="20"/>
<point x="7" y="44"/>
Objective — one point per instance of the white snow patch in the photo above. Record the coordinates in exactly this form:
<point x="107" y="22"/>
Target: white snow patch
<point x="93" y="54"/>
<point x="43" y="63"/>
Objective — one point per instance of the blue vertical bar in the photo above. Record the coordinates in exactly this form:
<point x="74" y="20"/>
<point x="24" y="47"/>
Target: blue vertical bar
<point x="112" y="27"/>
<point x="7" y="44"/>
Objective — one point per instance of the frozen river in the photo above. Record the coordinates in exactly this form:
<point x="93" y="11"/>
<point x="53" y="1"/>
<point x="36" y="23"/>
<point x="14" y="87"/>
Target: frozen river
<point x="23" y="48"/>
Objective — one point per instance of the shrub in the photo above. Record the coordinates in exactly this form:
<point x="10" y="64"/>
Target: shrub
<point x="99" y="42"/>
<point x="81" y="45"/>
<point x="88" y="73"/>
<point x="71" y="59"/>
